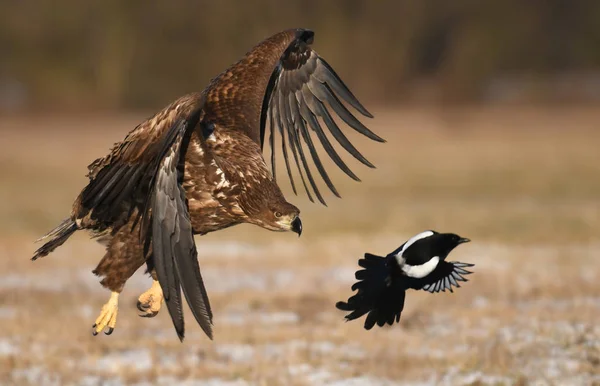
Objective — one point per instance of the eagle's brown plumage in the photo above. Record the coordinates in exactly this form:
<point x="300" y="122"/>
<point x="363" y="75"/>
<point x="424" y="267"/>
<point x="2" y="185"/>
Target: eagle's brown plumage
<point x="197" y="167"/>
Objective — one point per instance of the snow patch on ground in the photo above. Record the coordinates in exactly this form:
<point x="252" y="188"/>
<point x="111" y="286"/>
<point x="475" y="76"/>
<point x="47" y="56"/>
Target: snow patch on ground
<point x="35" y="375"/>
<point x="7" y="312"/>
<point x="239" y="318"/>
<point x="138" y="360"/>
<point x="245" y="353"/>
<point x="8" y="348"/>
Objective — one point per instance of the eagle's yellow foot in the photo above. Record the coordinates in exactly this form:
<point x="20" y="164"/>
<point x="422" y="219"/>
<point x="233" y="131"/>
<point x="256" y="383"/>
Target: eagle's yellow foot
<point x="108" y="316"/>
<point x="149" y="302"/>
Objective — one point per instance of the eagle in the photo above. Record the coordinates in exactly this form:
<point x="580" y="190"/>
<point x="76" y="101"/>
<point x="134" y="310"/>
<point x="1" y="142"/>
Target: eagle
<point x="197" y="167"/>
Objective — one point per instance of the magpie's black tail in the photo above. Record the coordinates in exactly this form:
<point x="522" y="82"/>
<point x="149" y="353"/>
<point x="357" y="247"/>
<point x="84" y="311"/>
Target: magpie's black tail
<point x="58" y="235"/>
<point x="379" y="294"/>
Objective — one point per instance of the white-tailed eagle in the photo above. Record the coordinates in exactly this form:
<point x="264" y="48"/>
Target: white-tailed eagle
<point x="197" y="167"/>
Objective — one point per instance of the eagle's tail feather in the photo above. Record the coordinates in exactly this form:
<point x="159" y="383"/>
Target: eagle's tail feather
<point x="58" y="235"/>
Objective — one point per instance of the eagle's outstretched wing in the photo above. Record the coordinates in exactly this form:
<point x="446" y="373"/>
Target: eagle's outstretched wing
<point x="286" y="85"/>
<point x="173" y="246"/>
<point x="305" y="88"/>
<point x="145" y="172"/>
<point x="123" y="176"/>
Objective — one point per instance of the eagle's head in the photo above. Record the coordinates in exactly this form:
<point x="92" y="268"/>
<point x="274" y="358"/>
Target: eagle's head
<point x="275" y="215"/>
<point x="264" y="205"/>
<point x="281" y="216"/>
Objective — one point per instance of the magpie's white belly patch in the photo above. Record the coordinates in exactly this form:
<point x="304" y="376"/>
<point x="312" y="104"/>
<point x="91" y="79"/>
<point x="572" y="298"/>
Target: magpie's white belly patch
<point x="420" y="271"/>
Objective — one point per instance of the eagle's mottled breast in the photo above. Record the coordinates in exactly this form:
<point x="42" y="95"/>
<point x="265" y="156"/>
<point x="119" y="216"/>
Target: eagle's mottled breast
<point x="207" y="190"/>
<point x="224" y="179"/>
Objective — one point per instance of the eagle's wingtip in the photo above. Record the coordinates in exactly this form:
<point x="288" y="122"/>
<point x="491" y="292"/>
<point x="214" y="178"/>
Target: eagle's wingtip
<point x="180" y="333"/>
<point x="209" y="331"/>
<point x="41" y="238"/>
<point x="305" y="35"/>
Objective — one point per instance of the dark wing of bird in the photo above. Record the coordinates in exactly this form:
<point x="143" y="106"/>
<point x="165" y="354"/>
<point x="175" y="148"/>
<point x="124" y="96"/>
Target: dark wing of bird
<point x="144" y="173"/>
<point x="303" y="98"/>
<point x="286" y="85"/>
<point x="174" y="250"/>
<point x="123" y="176"/>
<point x="446" y="275"/>
<point x="379" y="295"/>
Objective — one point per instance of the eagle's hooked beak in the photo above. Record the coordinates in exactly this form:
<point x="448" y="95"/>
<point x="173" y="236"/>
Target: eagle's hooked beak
<point x="297" y="226"/>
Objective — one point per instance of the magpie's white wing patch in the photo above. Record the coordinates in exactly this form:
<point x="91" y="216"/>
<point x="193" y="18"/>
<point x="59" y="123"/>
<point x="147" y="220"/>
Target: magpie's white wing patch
<point x="398" y="252"/>
<point x="447" y="276"/>
<point x="420" y="271"/>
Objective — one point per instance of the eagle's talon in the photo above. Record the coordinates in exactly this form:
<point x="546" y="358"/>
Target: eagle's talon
<point x="142" y="306"/>
<point x="149" y="302"/>
<point x="108" y="316"/>
<point x="150" y="314"/>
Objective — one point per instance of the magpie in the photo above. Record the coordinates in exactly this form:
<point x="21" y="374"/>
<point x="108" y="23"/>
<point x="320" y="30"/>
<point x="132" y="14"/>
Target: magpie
<point x="420" y="263"/>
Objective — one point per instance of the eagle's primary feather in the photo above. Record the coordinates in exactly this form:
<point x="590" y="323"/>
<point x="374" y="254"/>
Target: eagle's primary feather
<point x="197" y="167"/>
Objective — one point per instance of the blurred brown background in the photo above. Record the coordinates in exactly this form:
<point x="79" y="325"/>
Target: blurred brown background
<point x="491" y="110"/>
<point x="71" y="54"/>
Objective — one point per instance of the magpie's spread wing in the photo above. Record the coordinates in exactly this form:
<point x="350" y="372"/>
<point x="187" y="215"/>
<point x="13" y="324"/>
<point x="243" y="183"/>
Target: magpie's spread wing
<point x="379" y="295"/>
<point x="304" y="89"/>
<point x="446" y="275"/>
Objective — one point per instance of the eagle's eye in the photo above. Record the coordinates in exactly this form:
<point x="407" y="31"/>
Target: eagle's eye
<point x="277" y="214"/>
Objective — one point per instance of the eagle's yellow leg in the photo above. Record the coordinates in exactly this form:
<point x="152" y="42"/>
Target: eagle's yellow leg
<point x="108" y="315"/>
<point x="149" y="302"/>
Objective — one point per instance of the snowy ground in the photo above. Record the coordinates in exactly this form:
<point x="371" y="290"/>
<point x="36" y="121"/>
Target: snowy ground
<point x="527" y="197"/>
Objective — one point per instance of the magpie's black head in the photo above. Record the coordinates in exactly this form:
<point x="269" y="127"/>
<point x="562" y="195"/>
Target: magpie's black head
<point x="426" y="245"/>
<point x="446" y="242"/>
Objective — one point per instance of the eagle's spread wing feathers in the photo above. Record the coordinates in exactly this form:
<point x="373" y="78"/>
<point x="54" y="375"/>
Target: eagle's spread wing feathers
<point x="305" y="88"/>
<point x="123" y="176"/>
<point x="284" y="86"/>
<point x="174" y="250"/>
<point x="145" y="171"/>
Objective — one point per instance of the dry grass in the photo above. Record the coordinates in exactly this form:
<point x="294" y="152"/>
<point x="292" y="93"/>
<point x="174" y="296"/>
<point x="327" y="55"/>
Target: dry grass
<point x="524" y="184"/>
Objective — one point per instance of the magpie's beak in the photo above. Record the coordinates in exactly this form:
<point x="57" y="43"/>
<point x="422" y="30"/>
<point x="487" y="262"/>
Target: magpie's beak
<point x="297" y="226"/>
<point x="463" y="240"/>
